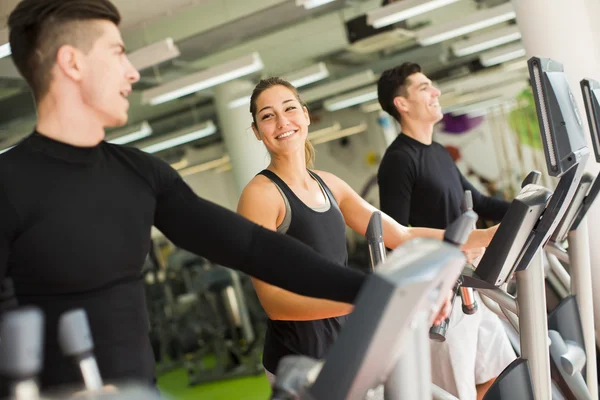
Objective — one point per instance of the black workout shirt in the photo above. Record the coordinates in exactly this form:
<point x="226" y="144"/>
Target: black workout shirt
<point x="75" y="225"/>
<point x="419" y="185"/>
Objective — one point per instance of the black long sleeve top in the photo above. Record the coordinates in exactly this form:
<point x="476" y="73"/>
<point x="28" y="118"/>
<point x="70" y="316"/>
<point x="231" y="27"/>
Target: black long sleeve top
<point x="419" y="185"/>
<point x="75" y="226"/>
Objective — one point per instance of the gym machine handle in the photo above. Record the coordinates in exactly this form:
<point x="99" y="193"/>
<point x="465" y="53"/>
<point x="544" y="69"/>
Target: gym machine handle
<point x="457" y="233"/>
<point x="22" y="341"/>
<point x="532" y="178"/>
<point x="375" y="239"/>
<point x="76" y="341"/>
<point x="467" y="295"/>
<point x="293" y="374"/>
<point x="438" y="332"/>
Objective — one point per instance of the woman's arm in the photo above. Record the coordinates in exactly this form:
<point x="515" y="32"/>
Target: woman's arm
<point x="357" y="213"/>
<point x="262" y="203"/>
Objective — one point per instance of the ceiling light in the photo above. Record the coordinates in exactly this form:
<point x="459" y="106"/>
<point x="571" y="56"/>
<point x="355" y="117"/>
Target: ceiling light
<point x="324" y="131"/>
<point x="308" y="4"/>
<point x="340" y="134"/>
<point x="298" y="79"/>
<point x="240" y="101"/>
<point x="351" y="99"/>
<point x="182" y="137"/>
<point x="402" y="10"/>
<point x="219" y="162"/>
<point x="477" y="107"/>
<point x="308" y="75"/>
<point x="143" y="131"/>
<point x="471" y="23"/>
<point x="487" y="41"/>
<point x="338" y="86"/>
<point x="371" y="107"/>
<point x="500" y="55"/>
<point x="5" y="46"/>
<point x="203" y="80"/>
<point x="154" y="54"/>
<point x="5" y="50"/>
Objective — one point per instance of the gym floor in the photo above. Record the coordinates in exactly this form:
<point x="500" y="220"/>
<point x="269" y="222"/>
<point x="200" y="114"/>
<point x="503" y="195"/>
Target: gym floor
<point x="173" y="385"/>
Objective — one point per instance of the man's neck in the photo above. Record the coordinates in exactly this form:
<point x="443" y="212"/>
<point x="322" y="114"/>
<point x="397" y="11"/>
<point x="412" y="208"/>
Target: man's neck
<point x="419" y="131"/>
<point x="68" y="123"/>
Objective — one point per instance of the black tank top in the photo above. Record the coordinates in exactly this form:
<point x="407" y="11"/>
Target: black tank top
<point x="325" y="232"/>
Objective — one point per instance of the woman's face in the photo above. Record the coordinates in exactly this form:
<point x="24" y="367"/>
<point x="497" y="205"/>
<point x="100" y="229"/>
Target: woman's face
<point x="281" y="121"/>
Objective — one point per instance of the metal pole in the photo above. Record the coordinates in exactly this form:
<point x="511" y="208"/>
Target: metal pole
<point x="559" y="252"/>
<point x="502" y="298"/>
<point x="559" y="271"/>
<point x="534" y="325"/>
<point x="581" y="287"/>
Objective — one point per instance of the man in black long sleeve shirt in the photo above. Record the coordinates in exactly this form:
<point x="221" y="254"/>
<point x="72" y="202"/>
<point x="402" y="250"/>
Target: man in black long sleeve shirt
<point x="76" y="212"/>
<point x="420" y="185"/>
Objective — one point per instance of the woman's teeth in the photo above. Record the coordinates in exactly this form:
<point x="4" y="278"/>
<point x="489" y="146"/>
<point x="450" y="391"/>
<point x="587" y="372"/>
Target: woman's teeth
<point x="284" y="135"/>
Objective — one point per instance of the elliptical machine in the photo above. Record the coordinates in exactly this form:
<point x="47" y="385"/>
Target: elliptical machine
<point x="350" y="371"/>
<point x="386" y="338"/>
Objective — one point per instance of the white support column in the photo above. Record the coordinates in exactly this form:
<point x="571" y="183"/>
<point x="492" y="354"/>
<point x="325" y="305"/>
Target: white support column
<point x="248" y="155"/>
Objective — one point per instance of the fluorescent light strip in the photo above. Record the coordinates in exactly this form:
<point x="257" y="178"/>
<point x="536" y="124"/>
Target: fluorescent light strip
<point x="501" y="55"/>
<point x="476" y="107"/>
<point x="476" y="21"/>
<point x="506" y="90"/>
<point x="239" y="102"/>
<point x="351" y="99"/>
<point x="308" y="4"/>
<point x="402" y="10"/>
<point x="340" y="134"/>
<point x="338" y="86"/>
<point x="325" y="131"/>
<point x="484" y="42"/>
<point x="308" y="75"/>
<point x="203" y="79"/>
<point x="484" y="79"/>
<point x="154" y="54"/>
<point x="144" y="131"/>
<point x="371" y="107"/>
<point x="5" y="150"/>
<point x="205" y="166"/>
<point x="208" y="129"/>
<point x="5" y="50"/>
<point x="515" y="66"/>
<point x="300" y="78"/>
<point x="181" y="164"/>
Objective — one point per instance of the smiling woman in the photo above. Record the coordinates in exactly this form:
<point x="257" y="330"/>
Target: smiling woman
<point x="313" y="207"/>
<point x="295" y="104"/>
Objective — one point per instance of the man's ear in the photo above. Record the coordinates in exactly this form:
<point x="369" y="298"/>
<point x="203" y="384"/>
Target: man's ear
<point x="401" y="103"/>
<point x="69" y="61"/>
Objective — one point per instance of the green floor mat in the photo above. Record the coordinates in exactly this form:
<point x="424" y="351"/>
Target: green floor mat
<point x="173" y="385"/>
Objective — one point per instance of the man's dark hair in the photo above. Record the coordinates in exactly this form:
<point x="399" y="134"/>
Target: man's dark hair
<point x="38" y="28"/>
<point x="392" y="83"/>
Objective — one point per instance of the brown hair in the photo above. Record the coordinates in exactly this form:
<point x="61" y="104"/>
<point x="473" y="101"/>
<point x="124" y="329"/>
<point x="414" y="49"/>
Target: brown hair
<point x="268" y="83"/>
<point x="38" y="28"/>
<point x="392" y="83"/>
